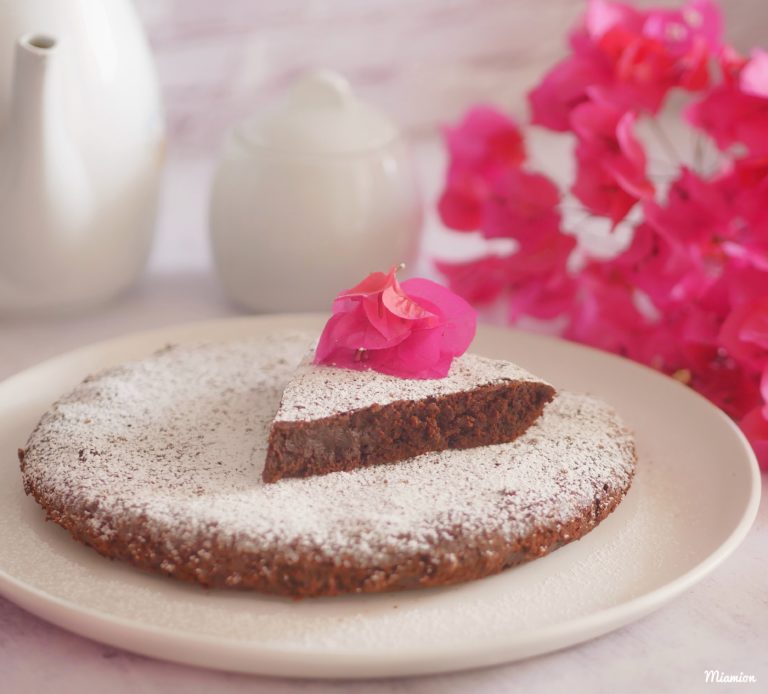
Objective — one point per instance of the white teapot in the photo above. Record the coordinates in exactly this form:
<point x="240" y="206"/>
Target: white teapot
<point x="309" y="197"/>
<point x="81" y="152"/>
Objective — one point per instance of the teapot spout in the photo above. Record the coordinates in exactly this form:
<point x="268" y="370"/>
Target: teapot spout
<point x="44" y="187"/>
<point x="31" y="95"/>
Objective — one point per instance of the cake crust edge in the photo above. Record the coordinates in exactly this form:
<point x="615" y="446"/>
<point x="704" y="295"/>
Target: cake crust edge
<point x="304" y="574"/>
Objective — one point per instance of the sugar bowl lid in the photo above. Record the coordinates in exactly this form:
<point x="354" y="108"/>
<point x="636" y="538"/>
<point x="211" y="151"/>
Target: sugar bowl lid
<point x="319" y="114"/>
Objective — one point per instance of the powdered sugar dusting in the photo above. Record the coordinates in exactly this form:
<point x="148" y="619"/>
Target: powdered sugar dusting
<point x="318" y="391"/>
<point x="180" y="439"/>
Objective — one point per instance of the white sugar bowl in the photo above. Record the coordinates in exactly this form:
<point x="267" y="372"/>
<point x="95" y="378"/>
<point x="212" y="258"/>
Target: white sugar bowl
<point x="309" y="197"/>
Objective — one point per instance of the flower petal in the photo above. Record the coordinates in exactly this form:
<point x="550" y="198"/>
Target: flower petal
<point x="375" y="283"/>
<point x="459" y="319"/>
<point x="413" y="330"/>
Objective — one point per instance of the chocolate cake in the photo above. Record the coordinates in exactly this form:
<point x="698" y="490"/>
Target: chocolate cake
<point x="333" y="419"/>
<point x="158" y="463"/>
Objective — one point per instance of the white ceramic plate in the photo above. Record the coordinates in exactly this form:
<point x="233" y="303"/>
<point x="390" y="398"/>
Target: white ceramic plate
<point x="694" y="498"/>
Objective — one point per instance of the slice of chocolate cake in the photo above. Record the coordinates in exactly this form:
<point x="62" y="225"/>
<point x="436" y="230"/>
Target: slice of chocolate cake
<point x="333" y="419"/>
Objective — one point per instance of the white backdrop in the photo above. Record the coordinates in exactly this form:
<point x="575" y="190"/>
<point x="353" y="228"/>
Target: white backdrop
<point x="422" y="60"/>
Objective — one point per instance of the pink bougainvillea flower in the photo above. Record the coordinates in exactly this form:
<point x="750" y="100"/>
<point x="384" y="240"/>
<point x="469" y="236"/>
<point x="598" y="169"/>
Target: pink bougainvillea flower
<point x="565" y="87"/>
<point x="608" y="133"/>
<point x="743" y="283"/>
<point x="730" y="386"/>
<point x="599" y="191"/>
<point x="689" y="293"/>
<point x="461" y="203"/>
<point x="632" y="58"/>
<point x="745" y="175"/>
<point x="745" y="333"/>
<point x="744" y="185"/>
<point x="753" y="78"/>
<point x="656" y="344"/>
<point x="731" y="63"/>
<point x="483" y="146"/>
<point x="479" y="281"/>
<point x="545" y="297"/>
<point x="611" y="162"/>
<point x="755" y="427"/>
<point x="653" y="52"/>
<point x="755" y="253"/>
<point x="606" y="315"/>
<point x="535" y="278"/>
<point x="736" y="112"/>
<point x="764" y="391"/>
<point x="484" y="142"/>
<point x="693" y="211"/>
<point x="540" y="282"/>
<point x="413" y="330"/>
<point x="671" y="49"/>
<point x="695" y="237"/>
<point x="546" y="257"/>
<point x="664" y="270"/>
<point x="681" y="338"/>
<point x="731" y="117"/>
<point x="521" y="205"/>
<point x="698" y="334"/>
<point x="642" y="70"/>
<point x="602" y="16"/>
<point x="680" y="30"/>
<point x="729" y="383"/>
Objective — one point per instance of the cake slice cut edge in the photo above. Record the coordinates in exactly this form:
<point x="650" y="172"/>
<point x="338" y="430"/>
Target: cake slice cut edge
<point x="332" y="419"/>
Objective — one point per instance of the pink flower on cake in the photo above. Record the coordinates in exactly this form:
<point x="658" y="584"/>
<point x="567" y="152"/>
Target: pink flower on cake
<point x="410" y="330"/>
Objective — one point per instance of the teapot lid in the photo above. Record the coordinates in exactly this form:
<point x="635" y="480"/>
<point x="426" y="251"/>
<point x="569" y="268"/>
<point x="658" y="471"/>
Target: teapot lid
<point x="319" y="114"/>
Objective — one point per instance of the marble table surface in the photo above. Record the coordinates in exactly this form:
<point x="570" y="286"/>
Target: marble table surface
<point x="722" y="623"/>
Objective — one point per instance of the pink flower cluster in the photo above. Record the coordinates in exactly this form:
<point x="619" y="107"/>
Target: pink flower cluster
<point x="689" y="293"/>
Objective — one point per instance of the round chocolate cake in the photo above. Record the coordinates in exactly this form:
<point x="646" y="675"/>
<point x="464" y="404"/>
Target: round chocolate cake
<point x="159" y="462"/>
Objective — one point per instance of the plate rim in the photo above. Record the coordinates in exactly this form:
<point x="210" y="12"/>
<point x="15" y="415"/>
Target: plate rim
<point x="279" y="660"/>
